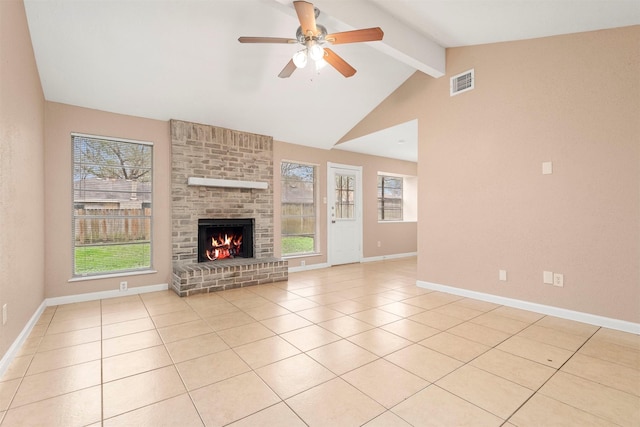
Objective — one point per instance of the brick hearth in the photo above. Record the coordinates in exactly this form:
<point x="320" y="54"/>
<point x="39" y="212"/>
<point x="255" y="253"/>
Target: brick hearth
<point x="205" y="151"/>
<point x="226" y="274"/>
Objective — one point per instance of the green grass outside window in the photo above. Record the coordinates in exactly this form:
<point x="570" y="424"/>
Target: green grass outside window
<point x="292" y="245"/>
<point x="112" y="258"/>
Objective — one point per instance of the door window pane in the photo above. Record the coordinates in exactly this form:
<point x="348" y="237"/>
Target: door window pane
<point x="345" y="194"/>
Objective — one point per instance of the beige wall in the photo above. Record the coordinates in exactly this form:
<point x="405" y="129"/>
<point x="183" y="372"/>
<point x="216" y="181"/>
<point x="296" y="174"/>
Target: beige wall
<point x="395" y="238"/>
<point x="484" y="203"/>
<point x="60" y="121"/>
<point x="21" y="175"/>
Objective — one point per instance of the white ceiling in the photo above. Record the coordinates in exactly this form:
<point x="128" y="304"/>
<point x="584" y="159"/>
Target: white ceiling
<point x="398" y="142"/>
<point x="180" y="59"/>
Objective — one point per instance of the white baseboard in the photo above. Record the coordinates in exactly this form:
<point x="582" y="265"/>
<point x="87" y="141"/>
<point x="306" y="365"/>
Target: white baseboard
<point x="592" y="319"/>
<point x="368" y="259"/>
<point x="24" y="334"/>
<point x="92" y="296"/>
<point x="387" y="257"/>
<point x="308" y="267"/>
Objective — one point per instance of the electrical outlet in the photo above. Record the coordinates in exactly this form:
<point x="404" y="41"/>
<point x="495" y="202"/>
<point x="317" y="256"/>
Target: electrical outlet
<point x="123" y="286"/>
<point x="4" y="314"/>
<point x="303" y="263"/>
<point x="558" y="279"/>
<point x="379" y="243"/>
<point x="502" y="275"/>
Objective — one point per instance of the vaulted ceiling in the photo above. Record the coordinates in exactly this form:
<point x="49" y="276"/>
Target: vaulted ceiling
<point x="181" y="59"/>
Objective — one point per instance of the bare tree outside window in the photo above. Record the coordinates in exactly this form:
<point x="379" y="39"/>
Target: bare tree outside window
<point x="112" y="206"/>
<point x="345" y="196"/>
<point x="389" y="198"/>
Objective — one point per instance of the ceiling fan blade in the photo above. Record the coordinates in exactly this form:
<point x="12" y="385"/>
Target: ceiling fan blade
<point x="266" y="40"/>
<point x="287" y="70"/>
<point x="356" y="36"/>
<point x="306" y="16"/>
<point x="338" y="63"/>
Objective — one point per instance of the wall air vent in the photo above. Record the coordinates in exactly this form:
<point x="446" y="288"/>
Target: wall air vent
<point x="462" y="82"/>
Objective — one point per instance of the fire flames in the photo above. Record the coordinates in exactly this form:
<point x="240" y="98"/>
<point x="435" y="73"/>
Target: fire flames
<point x="227" y="247"/>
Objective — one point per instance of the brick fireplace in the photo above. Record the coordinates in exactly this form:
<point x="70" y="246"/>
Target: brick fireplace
<point x="226" y="175"/>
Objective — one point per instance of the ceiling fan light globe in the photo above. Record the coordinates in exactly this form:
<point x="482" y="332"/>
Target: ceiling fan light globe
<point x="316" y="52"/>
<point x="320" y="64"/>
<point x="300" y="59"/>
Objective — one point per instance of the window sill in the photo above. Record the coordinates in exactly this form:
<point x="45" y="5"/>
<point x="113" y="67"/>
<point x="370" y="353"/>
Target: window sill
<point x="111" y="276"/>
<point x="396" y="221"/>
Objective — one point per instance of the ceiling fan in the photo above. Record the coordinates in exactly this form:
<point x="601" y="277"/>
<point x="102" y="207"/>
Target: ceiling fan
<point x="314" y="38"/>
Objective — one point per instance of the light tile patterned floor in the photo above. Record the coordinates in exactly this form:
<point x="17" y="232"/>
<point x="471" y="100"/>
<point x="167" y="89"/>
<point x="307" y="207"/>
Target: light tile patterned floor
<point x="345" y="346"/>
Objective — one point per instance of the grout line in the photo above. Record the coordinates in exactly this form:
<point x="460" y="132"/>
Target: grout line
<point x="327" y="284"/>
<point x="24" y="374"/>
<point x="101" y="368"/>
<point x="553" y="375"/>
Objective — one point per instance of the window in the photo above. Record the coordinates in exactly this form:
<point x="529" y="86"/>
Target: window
<point x="112" y="187"/>
<point x="389" y="198"/>
<point x="345" y="192"/>
<point x="298" y="199"/>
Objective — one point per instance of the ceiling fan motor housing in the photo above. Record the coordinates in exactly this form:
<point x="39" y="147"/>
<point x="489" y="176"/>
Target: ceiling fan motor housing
<point x="319" y="38"/>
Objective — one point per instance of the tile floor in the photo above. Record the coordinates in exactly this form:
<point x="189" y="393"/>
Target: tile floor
<point x="346" y="346"/>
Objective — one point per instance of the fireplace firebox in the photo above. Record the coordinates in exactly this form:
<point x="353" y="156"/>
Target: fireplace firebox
<point x="220" y="239"/>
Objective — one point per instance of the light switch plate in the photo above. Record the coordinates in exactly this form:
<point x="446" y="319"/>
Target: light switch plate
<point x="502" y="275"/>
<point x="547" y="168"/>
<point x="547" y="277"/>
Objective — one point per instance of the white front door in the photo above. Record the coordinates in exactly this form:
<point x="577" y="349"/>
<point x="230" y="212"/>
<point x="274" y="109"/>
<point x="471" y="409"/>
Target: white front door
<point x="344" y="194"/>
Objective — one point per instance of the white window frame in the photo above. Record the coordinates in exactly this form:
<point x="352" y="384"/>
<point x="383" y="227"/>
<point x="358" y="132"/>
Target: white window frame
<point x="316" y="234"/>
<point x="409" y="197"/>
<point x="382" y="198"/>
<point x="119" y="272"/>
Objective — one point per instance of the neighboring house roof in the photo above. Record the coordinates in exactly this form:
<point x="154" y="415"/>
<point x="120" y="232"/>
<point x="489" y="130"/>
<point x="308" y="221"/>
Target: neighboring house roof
<point x="111" y="190"/>
<point x="297" y="192"/>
